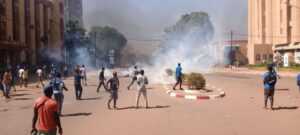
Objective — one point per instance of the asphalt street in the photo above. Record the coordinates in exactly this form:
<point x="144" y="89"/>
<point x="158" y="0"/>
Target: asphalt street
<point x="240" y="112"/>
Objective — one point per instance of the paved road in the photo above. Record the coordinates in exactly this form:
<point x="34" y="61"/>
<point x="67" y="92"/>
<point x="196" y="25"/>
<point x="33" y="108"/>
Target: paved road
<point x="239" y="113"/>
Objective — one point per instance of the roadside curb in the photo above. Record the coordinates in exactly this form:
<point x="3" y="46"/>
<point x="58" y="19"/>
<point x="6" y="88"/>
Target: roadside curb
<point x="258" y="73"/>
<point x="189" y="95"/>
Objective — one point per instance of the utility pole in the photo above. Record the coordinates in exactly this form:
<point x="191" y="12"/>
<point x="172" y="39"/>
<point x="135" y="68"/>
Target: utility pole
<point x="231" y="48"/>
<point x="95" y="48"/>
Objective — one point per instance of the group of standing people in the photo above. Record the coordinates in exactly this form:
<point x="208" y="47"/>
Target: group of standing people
<point x="10" y="77"/>
<point x="47" y="111"/>
<point x="113" y="85"/>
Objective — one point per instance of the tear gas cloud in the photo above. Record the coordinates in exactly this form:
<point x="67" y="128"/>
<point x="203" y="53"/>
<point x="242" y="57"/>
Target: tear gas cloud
<point x="83" y="57"/>
<point x="195" y="53"/>
<point x="190" y="43"/>
<point x="55" y="56"/>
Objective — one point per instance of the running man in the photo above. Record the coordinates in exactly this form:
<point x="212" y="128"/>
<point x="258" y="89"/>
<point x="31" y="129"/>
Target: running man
<point x="134" y="78"/>
<point x="58" y="86"/>
<point x="77" y="84"/>
<point x="101" y="79"/>
<point x="269" y="80"/>
<point x="142" y="81"/>
<point x="113" y="88"/>
<point x="52" y="73"/>
<point x="83" y="75"/>
<point x="178" y="77"/>
<point x="46" y="118"/>
<point x="39" y="73"/>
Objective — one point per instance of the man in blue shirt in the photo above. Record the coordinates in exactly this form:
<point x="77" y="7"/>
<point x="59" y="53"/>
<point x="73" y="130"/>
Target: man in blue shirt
<point x="178" y="77"/>
<point x="113" y="85"/>
<point x="58" y="86"/>
<point x="298" y="81"/>
<point x="77" y="84"/>
<point x="269" y="81"/>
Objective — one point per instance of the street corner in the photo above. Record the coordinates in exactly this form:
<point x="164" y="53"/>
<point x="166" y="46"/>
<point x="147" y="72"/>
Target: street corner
<point x="209" y="93"/>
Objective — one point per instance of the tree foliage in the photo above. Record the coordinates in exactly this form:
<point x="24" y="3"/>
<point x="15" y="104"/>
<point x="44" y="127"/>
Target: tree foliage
<point x="195" y="26"/>
<point x="75" y="39"/>
<point x="107" y="38"/>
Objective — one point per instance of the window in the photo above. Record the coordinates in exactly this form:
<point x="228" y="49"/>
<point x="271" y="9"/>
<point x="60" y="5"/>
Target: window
<point x="16" y="20"/>
<point x="271" y="57"/>
<point x="62" y="28"/>
<point x="2" y="20"/>
<point x="27" y="21"/>
<point x="265" y="57"/>
<point x="257" y="57"/>
<point x="61" y="8"/>
<point x="2" y="30"/>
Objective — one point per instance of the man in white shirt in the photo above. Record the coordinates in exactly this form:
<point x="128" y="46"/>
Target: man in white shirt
<point x="39" y="73"/>
<point x="134" y="77"/>
<point x="83" y="74"/>
<point x="21" y="72"/>
<point x="142" y="81"/>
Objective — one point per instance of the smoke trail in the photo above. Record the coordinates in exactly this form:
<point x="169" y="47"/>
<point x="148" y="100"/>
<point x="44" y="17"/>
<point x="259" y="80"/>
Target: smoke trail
<point x="83" y="57"/>
<point x="52" y="54"/>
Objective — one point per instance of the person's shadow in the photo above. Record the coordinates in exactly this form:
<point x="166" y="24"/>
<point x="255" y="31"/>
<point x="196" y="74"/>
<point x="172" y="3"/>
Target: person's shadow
<point x="285" y="108"/>
<point x="282" y="89"/>
<point x="76" y="114"/>
<point x="94" y="98"/>
<point x="150" y="107"/>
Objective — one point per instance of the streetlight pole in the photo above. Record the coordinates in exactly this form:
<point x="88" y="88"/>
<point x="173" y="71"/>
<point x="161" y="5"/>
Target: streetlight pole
<point x="95" y="48"/>
<point x="231" y="48"/>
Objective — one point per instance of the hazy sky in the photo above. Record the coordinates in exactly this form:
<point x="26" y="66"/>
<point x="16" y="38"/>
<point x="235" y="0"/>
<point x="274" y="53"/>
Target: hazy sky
<point x="148" y="18"/>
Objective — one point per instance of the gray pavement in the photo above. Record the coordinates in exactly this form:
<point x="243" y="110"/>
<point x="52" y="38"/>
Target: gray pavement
<point x="239" y="113"/>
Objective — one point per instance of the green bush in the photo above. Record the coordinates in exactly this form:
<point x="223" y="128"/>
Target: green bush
<point x="293" y="64"/>
<point x="195" y="81"/>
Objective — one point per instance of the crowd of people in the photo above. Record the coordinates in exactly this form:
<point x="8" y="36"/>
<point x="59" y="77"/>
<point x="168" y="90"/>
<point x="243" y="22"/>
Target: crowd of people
<point x="47" y="110"/>
<point x="21" y="75"/>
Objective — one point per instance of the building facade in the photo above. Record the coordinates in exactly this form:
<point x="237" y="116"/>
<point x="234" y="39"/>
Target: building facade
<point x="27" y="27"/>
<point x="73" y="12"/>
<point x="236" y="52"/>
<point x="273" y="27"/>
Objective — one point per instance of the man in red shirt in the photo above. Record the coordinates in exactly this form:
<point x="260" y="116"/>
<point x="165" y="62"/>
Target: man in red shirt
<point x="46" y="118"/>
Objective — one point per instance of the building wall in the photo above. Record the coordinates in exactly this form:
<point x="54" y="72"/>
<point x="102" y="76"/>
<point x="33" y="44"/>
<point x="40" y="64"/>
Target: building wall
<point x="272" y="22"/>
<point x="260" y="29"/>
<point x="26" y="23"/>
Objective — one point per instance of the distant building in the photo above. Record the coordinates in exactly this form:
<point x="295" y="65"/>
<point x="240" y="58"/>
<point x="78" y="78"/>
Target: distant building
<point x="74" y="11"/>
<point x="236" y="52"/>
<point x="27" y="27"/>
<point x="274" y="27"/>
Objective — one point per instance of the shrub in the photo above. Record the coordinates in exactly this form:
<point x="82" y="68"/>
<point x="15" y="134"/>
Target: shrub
<point x="195" y="80"/>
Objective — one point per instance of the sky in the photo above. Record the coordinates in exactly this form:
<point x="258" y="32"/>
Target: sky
<point x="147" y="19"/>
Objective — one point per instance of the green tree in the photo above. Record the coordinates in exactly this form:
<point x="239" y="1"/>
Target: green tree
<point x="195" y="27"/>
<point x="75" y="41"/>
<point x="106" y="39"/>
